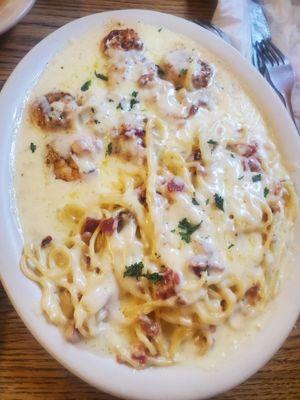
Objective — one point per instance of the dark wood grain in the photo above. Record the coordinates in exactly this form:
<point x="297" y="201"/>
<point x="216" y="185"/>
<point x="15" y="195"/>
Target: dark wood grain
<point x="27" y="372"/>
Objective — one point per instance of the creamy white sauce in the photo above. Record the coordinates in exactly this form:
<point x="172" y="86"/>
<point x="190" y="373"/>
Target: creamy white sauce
<point x="40" y="196"/>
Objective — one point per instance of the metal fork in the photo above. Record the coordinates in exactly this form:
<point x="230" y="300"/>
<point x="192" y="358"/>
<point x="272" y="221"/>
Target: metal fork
<point x="214" y="29"/>
<point x="273" y="64"/>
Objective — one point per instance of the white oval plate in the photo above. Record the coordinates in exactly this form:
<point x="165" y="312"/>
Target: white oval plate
<point x="12" y="11"/>
<point x="174" y="383"/>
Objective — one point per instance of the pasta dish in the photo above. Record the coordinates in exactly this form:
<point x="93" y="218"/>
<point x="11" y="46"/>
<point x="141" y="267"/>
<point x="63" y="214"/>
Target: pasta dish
<point x="153" y="200"/>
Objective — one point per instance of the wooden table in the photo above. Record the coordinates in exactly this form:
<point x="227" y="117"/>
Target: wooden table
<point x="27" y="372"/>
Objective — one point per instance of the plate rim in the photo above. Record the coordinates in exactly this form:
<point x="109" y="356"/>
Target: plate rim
<point x="16" y="17"/>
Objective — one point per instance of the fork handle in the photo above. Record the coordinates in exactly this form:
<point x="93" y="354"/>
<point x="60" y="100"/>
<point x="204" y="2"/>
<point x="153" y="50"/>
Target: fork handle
<point x="287" y="98"/>
<point x="288" y="103"/>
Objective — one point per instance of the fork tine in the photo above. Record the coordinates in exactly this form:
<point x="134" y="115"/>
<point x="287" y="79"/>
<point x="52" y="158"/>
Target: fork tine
<point x="278" y="53"/>
<point x="271" y="50"/>
<point x="267" y="54"/>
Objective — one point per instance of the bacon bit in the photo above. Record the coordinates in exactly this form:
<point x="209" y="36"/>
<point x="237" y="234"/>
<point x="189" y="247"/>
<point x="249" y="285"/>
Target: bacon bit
<point x="197" y="155"/>
<point x="150" y="327"/>
<point x="243" y="149"/>
<point x="142" y="195"/>
<point x="88" y="228"/>
<point x="122" y="39"/>
<point x="198" y="269"/>
<point x="48" y="239"/>
<point x="88" y="261"/>
<point x="202" y="78"/>
<point x="175" y="185"/>
<point x="129" y="132"/>
<point x="180" y="301"/>
<point x="145" y="79"/>
<point x="72" y="334"/>
<point x="139" y="354"/>
<point x="252" y="295"/>
<point x="90" y="225"/>
<point x="123" y="218"/>
<point x="119" y="359"/>
<point x="193" y="110"/>
<point x="253" y="164"/>
<point x="108" y="226"/>
<point x="167" y="287"/>
<point x="217" y="269"/>
<point x="277" y="188"/>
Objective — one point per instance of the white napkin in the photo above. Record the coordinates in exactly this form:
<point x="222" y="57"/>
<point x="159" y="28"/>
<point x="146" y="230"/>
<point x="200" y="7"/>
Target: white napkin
<point x="232" y="16"/>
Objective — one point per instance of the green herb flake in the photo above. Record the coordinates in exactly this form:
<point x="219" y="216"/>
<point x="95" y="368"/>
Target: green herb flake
<point x="266" y="191"/>
<point x="160" y="29"/>
<point x="109" y="149"/>
<point x="86" y="86"/>
<point x="133" y="102"/>
<point x="195" y="202"/>
<point x="119" y="106"/>
<point x="232" y="155"/>
<point x="134" y="270"/>
<point x="212" y="142"/>
<point x="173" y="230"/>
<point x="134" y="93"/>
<point x="154" y="277"/>
<point x="32" y="147"/>
<point x="219" y="201"/>
<point x="230" y="246"/>
<point x="241" y="177"/>
<point x="256" y="178"/>
<point x="206" y="202"/>
<point x="110" y="100"/>
<point x="101" y="76"/>
<point x="183" y="72"/>
<point x="186" y="229"/>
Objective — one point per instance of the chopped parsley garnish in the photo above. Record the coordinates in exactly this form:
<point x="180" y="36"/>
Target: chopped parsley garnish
<point x="160" y="29"/>
<point x="86" y="86"/>
<point x="241" y="177"/>
<point x="32" y="147"/>
<point x="153" y="277"/>
<point x="213" y="144"/>
<point x="101" y="76"/>
<point x="96" y="121"/>
<point x="206" y="201"/>
<point x="266" y="191"/>
<point x="186" y="229"/>
<point x="256" y="178"/>
<point x="134" y="93"/>
<point x="119" y="106"/>
<point x="230" y="246"/>
<point x="134" y="270"/>
<point x="110" y="100"/>
<point x="183" y="71"/>
<point x="232" y="155"/>
<point x="133" y="102"/>
<point x="219" y="201"/>
<point x="109" y="149"/>
<point x="194" y="201"/>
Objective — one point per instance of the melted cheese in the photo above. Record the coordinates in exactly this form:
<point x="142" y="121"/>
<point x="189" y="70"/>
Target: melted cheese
<point x="229" y="240"/>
